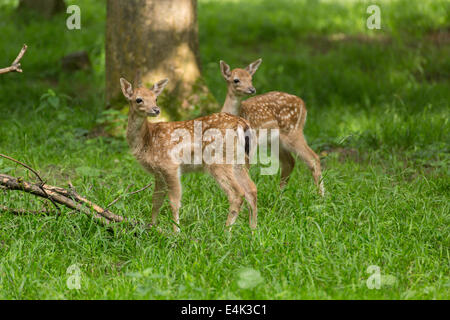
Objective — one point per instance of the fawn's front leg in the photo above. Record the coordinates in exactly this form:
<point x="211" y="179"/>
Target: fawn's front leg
<point x="158" y="197"/>
<point x="174" y="190"/>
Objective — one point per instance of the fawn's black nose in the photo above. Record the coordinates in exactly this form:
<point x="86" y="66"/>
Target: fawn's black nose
<point x="156" y="111"/>
<point x="252" y="90"/>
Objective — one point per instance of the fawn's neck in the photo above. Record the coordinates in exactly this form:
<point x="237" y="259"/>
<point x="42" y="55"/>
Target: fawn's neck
<point x="136" y="129"/>
<point x="232" y="103"/>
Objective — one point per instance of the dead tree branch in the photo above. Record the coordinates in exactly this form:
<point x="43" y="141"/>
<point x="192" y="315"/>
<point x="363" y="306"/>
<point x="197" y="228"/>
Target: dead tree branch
<point x="68" y="198"/>
<point x="42" y="183"/>
<point x="63" y="197"/>
<point x="15" y="66"/>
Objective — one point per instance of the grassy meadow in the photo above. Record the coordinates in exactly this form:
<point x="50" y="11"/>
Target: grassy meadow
<point x="378" y="104"/>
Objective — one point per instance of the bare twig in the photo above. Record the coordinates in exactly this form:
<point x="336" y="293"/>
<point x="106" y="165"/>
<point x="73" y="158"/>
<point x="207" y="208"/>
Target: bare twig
<point x="15" y="66"/>
<point x="42" y="183"/>
<point x="71" y="187"/>
<point x="129" y="194"/>
<point x="24" y="165"/>
<point x="140" y="190"/>
<point x="119" y="197"/>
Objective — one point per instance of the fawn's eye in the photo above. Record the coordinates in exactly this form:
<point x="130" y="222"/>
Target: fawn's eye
<point x="139" y="100"/>
<point x="237" y="80"/>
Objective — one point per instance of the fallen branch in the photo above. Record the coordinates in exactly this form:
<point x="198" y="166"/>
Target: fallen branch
<point x="68" y="198"/>
<point x="63" y="197"/>
<point x="15" y="66"/>
<point x="37" y="175"/>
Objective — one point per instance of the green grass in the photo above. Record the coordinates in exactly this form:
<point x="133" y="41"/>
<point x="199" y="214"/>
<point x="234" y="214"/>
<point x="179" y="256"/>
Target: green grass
<point x="378" y="104"/>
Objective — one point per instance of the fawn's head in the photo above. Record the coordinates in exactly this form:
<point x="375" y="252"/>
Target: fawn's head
<point x="143" y="100"/>
<point x="240" y="80"/>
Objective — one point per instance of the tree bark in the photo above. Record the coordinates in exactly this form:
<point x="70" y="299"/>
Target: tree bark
<point x="149" y="40"/>
<point x="46" y="8"/>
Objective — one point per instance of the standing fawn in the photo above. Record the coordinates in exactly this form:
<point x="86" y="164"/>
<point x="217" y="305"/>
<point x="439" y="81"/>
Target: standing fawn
<point x="272" y="110"/>
<point x="153" y="145"/>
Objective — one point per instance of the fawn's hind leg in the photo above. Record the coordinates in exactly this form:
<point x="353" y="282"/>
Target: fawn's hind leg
<point x="226" y="179"/>
<point x="250" y="193"/>
<point x="297" y="144"/>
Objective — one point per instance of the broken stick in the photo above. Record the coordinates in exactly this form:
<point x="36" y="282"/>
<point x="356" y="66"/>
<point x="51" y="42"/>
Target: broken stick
<point x="15" y="66"/>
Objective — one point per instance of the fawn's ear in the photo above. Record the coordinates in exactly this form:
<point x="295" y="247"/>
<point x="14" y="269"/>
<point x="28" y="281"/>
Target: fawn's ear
<point x="127" y="88"/>
<point x="225" y="69"/>
<point x="159" y="87"/>
<point x="252" y="67"/>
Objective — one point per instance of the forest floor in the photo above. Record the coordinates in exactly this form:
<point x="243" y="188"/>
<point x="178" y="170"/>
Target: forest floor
<point x="378" y="104"/>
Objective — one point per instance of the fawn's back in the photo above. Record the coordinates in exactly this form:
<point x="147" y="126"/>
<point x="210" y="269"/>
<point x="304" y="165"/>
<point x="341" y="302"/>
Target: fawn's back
<point x="168" y="139"/>
<point x="275" y="110"/>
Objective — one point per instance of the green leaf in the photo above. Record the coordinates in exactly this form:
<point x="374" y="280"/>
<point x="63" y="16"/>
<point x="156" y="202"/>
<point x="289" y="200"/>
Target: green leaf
<point x="53" y="101"/>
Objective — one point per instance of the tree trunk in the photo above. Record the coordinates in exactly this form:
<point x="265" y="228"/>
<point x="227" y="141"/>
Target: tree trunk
<point x="149" y="40"/>
<point x="45" y="7"/>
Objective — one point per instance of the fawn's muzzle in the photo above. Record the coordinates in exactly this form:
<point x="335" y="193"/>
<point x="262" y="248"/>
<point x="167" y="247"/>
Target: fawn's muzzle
<point x="252" y="90"/>
<point x="154" y="112"/>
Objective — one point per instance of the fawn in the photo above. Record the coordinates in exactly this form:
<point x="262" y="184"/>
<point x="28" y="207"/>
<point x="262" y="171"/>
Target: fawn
<point x="153" y="144"/>
<point x="272" y="110"/>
